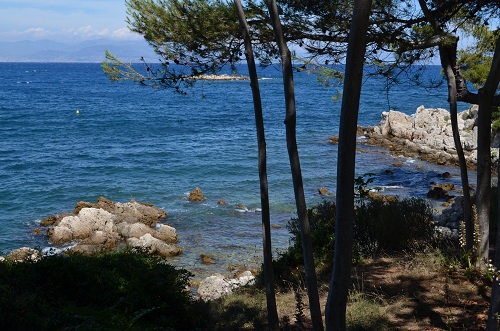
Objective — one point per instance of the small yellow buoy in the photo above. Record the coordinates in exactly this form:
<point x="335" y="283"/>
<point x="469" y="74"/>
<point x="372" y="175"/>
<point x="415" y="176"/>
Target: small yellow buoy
<point x="78" y="112"/>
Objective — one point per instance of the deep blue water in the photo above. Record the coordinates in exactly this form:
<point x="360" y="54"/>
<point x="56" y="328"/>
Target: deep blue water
<point x="130" y="141"/>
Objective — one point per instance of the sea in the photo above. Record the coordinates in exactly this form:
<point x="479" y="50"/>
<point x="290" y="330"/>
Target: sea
<point x="68" y="133"/>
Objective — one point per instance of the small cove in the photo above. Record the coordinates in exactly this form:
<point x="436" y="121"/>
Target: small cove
<point x="129" y="142"/>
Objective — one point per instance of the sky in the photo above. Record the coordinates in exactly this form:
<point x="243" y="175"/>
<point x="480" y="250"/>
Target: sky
<point x="64" y="20"/>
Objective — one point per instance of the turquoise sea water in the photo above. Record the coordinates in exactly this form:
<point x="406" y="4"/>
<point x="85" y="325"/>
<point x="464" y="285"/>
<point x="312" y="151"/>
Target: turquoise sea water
<point x="132" y="142"/>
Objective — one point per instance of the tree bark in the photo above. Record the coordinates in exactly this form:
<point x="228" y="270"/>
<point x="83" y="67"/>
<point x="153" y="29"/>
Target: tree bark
<point x="483" y="173"/>
<point x="486" y="96"/>
<point x="464" y="95"/>
<point x="290" y="123"/>
<point x="448" y="63"/>
<point x="493" y="324"/>
<point x="272" y="313"/>
<point x="337" y="297"/>
<point x="448" y="57"/>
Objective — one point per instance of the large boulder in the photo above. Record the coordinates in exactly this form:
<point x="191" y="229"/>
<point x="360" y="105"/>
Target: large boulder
<point x="129" y="230"/>
<point x="217" y="286"/>
<point x="154" y="246"/>
<point x="396" y="123"/>
<point x="166" y="233"/>
<point x="83" y="225"/>
<point x="131" y="211"/>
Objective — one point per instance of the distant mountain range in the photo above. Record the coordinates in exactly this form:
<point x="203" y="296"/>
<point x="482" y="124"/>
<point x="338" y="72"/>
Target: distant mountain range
<point x="87" y="51"/>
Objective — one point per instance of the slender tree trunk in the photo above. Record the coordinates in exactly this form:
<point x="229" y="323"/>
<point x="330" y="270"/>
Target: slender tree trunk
<point x="272" y="313"/>
<point x="290" y="123"/>
<point x="483" y="173"/>
<point x="448" y="55"/>
<point x="337" y="297"/>
<point x="486" y="94"/>
<point x="493" y="324"/>
<point x="486" y="100"/>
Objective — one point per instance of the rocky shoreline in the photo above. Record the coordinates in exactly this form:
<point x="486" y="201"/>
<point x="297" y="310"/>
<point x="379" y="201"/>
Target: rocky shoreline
<point x="427" y="134"/>
<point x="107" y="226"/>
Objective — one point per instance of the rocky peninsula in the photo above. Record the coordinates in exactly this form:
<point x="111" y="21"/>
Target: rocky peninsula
<point x="427" y="134"/>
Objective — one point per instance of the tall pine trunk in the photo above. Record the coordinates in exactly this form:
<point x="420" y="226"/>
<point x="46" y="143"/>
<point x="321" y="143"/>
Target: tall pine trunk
<point x="341" y="277"/>
<point x="486" y="100"/>
<point x="272" y="313"/>
<point x="290" y="123"/>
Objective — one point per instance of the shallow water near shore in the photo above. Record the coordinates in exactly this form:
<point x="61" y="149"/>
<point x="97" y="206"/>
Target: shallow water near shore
<point x="130" y="142"/>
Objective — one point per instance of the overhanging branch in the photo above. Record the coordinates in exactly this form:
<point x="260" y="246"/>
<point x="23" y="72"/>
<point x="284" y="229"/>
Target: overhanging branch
<point x="464" y="95"/>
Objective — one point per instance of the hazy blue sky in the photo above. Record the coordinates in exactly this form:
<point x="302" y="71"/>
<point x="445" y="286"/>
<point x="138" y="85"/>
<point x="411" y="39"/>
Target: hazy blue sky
<point x="63" y="20"/>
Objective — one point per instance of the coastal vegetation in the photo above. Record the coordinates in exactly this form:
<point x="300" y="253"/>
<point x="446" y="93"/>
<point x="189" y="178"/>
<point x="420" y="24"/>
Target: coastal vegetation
<point x="404" y="277"/>
<point x="388" y="35"/>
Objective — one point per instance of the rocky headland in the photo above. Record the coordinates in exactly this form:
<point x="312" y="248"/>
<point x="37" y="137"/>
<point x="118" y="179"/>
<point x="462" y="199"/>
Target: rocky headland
<point x="107" y="225"/>
<point x="427" y="134"/>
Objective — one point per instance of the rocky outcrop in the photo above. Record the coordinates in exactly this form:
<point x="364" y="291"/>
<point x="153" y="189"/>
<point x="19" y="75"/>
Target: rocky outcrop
<point x="222" y="77"/>
<point x="154" y="245"/>
<point x="448" y="221"/>
<point x="196" y="195"/>
<point x="323" y="191"/>
<point x="23" y="254"/>
<point x="427" y="133"/>
<point x="108" y="225"/>
<point x="217" y="286"/>
<point x="441" y="191"/>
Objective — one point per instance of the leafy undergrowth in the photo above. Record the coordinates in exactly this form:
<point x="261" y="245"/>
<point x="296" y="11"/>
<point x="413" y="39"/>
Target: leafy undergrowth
<point x="115" y="291"/>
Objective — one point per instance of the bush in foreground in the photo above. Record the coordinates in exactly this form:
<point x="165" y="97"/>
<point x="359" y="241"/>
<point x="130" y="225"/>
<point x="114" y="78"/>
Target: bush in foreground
<point x="114" y="291"/>
<point x="379" y="226"/>
<point x="393" y="226"/>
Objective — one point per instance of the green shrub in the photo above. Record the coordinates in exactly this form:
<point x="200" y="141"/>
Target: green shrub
<point x="288" y="266"/>
<point x="405" y="225"/>
<point x="495" y="119"/>
<point x="114" y="291"/>
<point x="389" y="226"/>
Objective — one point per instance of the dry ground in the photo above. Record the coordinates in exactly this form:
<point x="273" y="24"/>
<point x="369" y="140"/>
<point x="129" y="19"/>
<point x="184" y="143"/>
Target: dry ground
<point x="421" y="294"/>
<point x="401" y="293"/>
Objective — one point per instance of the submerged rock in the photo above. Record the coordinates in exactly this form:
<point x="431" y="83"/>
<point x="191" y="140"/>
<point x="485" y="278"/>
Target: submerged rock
<point x="196" y="195"/>
<point x="323" y="191"/>
<point x="440" y="191"/>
